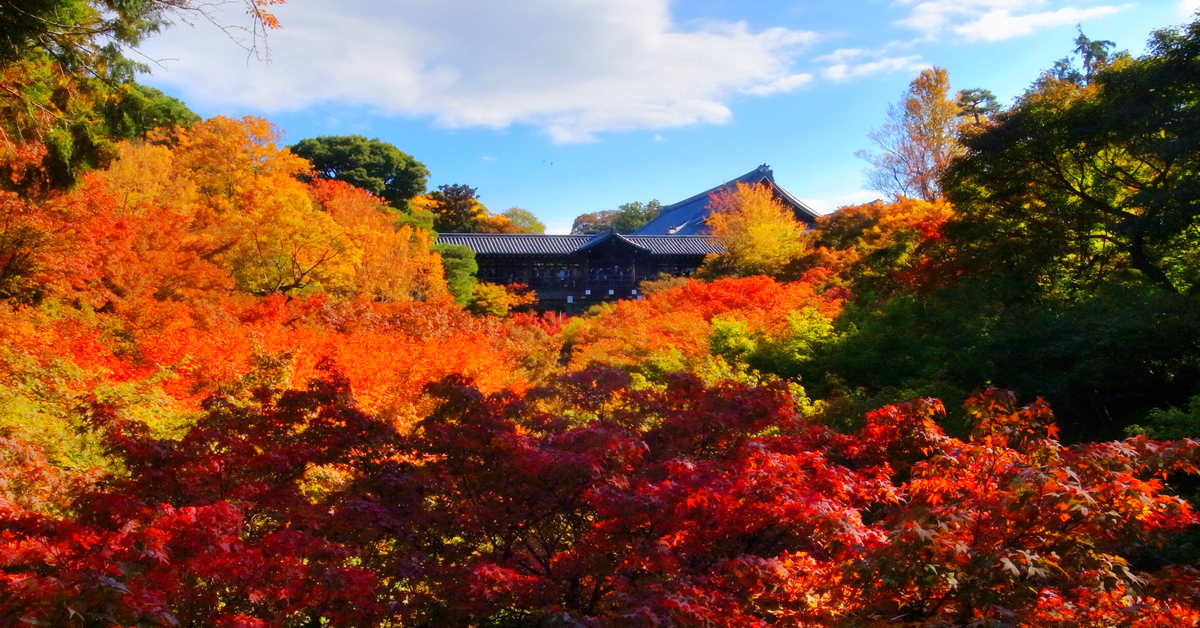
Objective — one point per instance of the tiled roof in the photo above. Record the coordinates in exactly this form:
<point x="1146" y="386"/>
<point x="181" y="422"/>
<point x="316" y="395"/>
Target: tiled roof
<point x="676" y="245"/>
<point x="515" y="243"/>
<point x="687" y="216"/>
<point x="605" y="236"/>
<point x="530" y="244"/>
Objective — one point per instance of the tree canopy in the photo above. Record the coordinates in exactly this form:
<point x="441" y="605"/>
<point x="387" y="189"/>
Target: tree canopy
<point x="626" y="218"/>
<point x="86" y="36"/>
<point x="1082" y="182"/>
<point x="456" y="208"/>
<point x="760" y="234"/>
<point x="69" y="91"/>
<point x="593" y="222"/>
<point x="373" y="165"/>
<point x="978" y="104"/>
<point x="524" y="220"/>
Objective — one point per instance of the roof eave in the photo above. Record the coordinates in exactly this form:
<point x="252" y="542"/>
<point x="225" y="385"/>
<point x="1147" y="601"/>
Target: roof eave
<point x="606" y="236"/>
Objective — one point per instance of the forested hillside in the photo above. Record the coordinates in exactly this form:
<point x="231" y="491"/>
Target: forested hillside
<point x="236" y="390"/>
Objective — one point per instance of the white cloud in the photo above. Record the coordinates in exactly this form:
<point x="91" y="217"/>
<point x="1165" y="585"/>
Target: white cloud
<point x="1001" y="24"/>
<point x="1189" y="7"/>
<point x="846" y="55"/>
<point x="993" y="20"/>
<point x="574" y="68"/>
<point x="932" y="16"/>
<point x="847" y="64"/>
<point x="851" y="71"/>
<point x="853" y="197"/>
<point x="787" y="83"/>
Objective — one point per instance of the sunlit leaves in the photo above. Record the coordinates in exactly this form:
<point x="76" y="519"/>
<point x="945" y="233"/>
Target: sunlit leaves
<point x="676" y="324"/>
<point x="759" y="233"/>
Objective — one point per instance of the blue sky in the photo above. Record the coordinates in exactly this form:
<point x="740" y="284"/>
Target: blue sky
<point x="570" y="106"/>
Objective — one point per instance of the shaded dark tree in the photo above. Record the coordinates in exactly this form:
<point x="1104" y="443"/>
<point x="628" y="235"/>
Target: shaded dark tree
<point x="456" y="208"/>
<point x="1093" y="53"/>
<point x="1077" y="184"/>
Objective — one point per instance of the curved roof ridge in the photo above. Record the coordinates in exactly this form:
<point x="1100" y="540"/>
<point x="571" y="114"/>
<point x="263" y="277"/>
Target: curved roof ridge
<point x="610" y="234"/>
<point x="688" y="216"/>
<point x="625" y="238"/>
<point x="763" y="170"/>
<point x="542" y="244"/>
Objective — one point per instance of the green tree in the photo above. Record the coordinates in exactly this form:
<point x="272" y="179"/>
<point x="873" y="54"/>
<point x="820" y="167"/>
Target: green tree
<point x="68" y="86"/>
<point x="978" y="104"/>
<point x="918" y="141"/>
<point x="633" y="216"/>
<point x="456" y="208"/>
<point x="594" y="222"/>
<point x="524" y="220"/>
<point x="1094" y="53"/>
<point x="1070" y="267"/>
<point x="459" y="268"/>
<point x="53" y="126"/>
<point x="82" y="35"/>
<point x="371" y="164"/>
<point x="86" y="37"/>
<point x="134" y="110"/>
<point x="1079" y="185"/>
<point x="1063" y="70"/>
<point x="1171" y="422"/>
<point x="626" y="218"/>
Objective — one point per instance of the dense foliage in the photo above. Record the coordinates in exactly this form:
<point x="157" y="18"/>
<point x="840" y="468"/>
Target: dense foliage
<point x="592" y="502"/>
<point x="1081" y="183"/>
<point x="69" y="90"/>
<point x="1065" y="268"/>
<point x="760" y="235"/>
<point x="373" y="165"/>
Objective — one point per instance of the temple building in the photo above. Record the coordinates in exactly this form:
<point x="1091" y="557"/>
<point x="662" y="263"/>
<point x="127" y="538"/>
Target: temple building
<point x="572" y="272"/>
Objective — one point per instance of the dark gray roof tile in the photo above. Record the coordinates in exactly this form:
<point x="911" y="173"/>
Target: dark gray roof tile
<point x="515" y="243"/>
<point x="531" y="244"/>
<point x="676" y="245"/>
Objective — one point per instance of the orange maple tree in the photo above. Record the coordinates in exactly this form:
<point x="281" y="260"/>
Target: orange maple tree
<point x="681" y="318"/>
